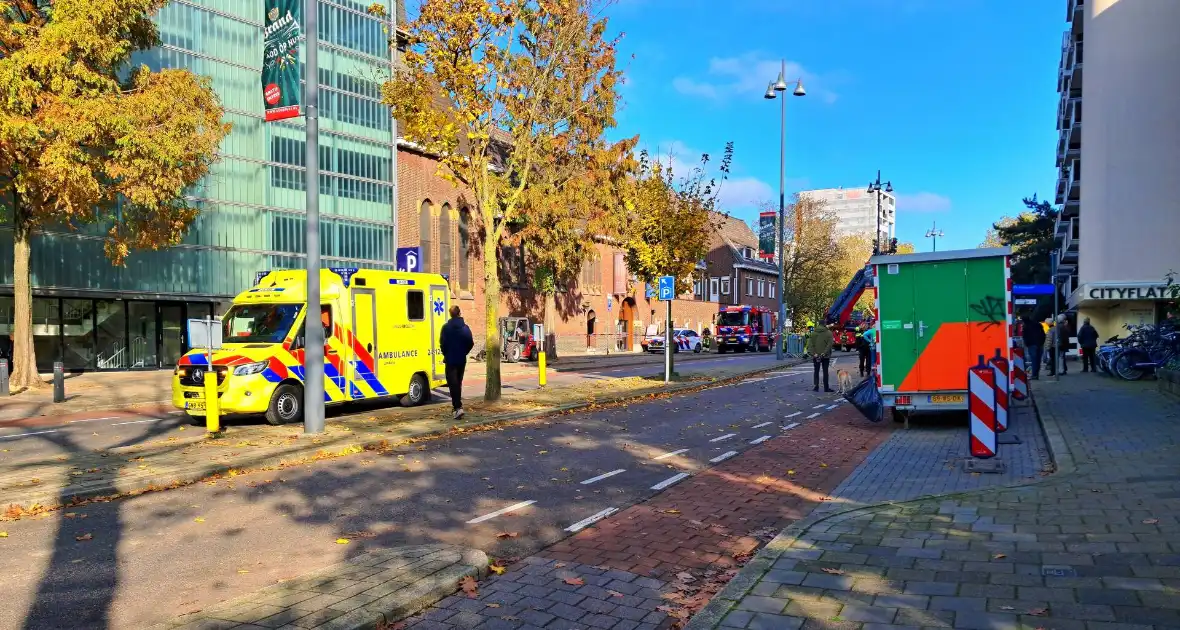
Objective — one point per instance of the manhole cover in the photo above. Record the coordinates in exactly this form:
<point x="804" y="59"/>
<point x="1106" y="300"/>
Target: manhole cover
<point x="1058" y="570"/>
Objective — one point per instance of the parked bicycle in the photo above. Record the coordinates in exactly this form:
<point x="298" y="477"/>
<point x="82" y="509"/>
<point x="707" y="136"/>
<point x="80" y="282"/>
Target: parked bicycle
<point x="1144" y="350"/>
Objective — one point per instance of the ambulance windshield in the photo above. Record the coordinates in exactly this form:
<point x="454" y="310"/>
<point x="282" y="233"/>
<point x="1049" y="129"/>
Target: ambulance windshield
<point x="732" y="318"/>
<point x="259" y="323"/>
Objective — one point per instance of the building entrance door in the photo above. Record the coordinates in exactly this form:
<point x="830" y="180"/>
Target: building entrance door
<point x="171" y="333"/>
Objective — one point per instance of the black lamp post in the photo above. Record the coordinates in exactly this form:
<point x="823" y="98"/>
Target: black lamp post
<point x="875" y="187"/>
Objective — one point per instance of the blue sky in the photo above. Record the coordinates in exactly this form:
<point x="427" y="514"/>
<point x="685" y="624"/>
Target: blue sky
<point x="954" y="100"/>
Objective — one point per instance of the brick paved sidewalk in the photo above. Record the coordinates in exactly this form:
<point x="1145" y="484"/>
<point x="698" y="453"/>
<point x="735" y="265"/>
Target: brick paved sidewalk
<point x="624" y="566"/>
<point x="1096" y="547"/>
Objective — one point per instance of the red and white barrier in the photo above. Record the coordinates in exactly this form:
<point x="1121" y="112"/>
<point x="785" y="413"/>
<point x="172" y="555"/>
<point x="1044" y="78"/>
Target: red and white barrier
<point x="981" y="386"/>
<point x="1019" y="375"/>
<point x="1003" y="390"/>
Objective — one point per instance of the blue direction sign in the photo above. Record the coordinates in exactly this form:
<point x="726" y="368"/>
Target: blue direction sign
<point x="409" y="259"/>
<point x="667" y="286"/>
<point x="1032" y="289"/>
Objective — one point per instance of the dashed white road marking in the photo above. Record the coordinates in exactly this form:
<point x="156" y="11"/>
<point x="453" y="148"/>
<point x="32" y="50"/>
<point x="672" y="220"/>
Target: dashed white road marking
<point x="760" y="440"/>
<point x="590" y="520"/>
<point x="669" y="481"/>
<point x="119" y="424"/>
<point x="19" y="435"/>
<point x="672" y="454"/>
<point x="813" y="415"/>
<point x="797" y="413"/>
<point x="511" y="508"/>
<point x="722" y="457"/>
<point x="831" y="407"/>
<point x="759" y="426"/>
<point x="790" y="426"/>
<point x="723" y="437"/>
<point x="604" y="476"/>
<point x="819" y="406"/>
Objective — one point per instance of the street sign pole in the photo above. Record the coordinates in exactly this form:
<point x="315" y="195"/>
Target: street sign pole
<point x="313" y="351"/>
<point x="1057" y="361"/>
<point x="668" y="347"/>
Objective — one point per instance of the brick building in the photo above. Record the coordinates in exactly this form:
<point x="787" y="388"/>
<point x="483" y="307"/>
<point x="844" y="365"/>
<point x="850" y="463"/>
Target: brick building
<point x="734" y="274"/>
<point x="607" y="309"/>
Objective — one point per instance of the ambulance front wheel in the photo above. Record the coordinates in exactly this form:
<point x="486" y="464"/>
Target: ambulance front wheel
<point x="286" y="405"/>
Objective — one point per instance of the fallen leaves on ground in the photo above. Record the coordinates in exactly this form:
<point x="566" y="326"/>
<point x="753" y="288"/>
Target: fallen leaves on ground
<point x="199" y="519"/>
<point x="831" y="571"/>
<point x="469" y="586"/>
<point x="491" y="605"/>
<point x="507" y="535"/>
<point x="3" y="534"/>
<point x="615" y="594"/>
<point x="84" y="537"/>
<point x="685" y="577"/>
<point x="342" y="541"/>
<point x="1038" y="612"/>
<point x="497" y="569"/>
<point x="671" y="511"/>
<point x="999" y="556"/>
<point x="1150" y="521"/>
<point x="575" y="581"/>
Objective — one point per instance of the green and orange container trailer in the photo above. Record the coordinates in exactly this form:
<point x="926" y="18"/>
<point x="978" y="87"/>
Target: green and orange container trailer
<point x="937" y="312"/>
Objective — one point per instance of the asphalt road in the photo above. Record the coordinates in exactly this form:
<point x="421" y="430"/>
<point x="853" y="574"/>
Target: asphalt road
<point x="99" y="430"/>
<point x="158" y="555"/>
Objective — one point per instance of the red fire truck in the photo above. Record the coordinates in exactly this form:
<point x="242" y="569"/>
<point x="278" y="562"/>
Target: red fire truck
<point x="742" y="328"/>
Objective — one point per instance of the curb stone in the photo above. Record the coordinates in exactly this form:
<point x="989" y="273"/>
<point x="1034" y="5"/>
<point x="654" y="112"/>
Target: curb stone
<point x="711" y="615"/>
<point x="391" y="583"/>
<point x="180" y="476"/>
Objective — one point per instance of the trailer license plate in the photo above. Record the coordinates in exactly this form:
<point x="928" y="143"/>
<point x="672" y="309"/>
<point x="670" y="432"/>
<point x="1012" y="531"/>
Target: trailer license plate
<point x="947" y="399"/>
<point x="194" y="405"/>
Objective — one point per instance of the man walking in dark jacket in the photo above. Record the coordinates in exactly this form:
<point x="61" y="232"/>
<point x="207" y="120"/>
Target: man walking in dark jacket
<point x="1034" y="342"/>
<point x="1088" y="342"/>
<point x="455" y="342"/>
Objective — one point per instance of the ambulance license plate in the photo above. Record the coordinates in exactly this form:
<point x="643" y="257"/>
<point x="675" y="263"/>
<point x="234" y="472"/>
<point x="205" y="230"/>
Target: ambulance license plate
<point x="194" y="405"/>
<point x="947" y="399"/>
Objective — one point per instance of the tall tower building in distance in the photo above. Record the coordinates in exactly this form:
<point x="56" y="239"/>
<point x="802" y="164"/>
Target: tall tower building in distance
<point x="855" y="210"/>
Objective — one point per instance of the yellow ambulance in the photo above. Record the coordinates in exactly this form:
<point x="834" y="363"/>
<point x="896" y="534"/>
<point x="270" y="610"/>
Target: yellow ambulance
<point x="381" y="331"/>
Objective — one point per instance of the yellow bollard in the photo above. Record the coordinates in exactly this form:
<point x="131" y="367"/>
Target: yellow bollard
<point x="212" y="405"/>
<point x="541" y="368"/>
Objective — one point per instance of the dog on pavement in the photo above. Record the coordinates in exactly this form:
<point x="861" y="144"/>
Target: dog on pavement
<point x="843" y="381"/>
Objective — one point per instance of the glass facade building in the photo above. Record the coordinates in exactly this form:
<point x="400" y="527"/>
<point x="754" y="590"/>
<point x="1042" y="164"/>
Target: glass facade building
<point x="93" y="315"/>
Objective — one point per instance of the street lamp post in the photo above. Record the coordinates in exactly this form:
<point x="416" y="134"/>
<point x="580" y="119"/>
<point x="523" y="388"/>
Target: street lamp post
<point x="875" y="187"/>
<point x="772" y="92"/>
<point x="934" y="234"/>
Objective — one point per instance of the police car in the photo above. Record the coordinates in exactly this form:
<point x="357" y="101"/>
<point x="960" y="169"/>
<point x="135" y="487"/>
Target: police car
<point x="684" y="339"/>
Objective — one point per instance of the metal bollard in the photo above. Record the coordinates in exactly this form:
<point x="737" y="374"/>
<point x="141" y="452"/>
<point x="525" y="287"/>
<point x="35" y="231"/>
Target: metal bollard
<point x="59" y="382"/>
<point x="3" y="377"/>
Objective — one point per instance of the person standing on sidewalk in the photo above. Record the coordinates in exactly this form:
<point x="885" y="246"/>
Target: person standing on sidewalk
<point x="862" y="351"/>
<point x="455" y="342"/>
<point x="1034" y="341"/>
<point x="1088" y="342"/>
<point x="819" y="345"/>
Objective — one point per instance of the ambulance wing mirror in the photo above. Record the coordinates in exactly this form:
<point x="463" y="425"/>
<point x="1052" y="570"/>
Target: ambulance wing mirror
<point x="204" y="334"/>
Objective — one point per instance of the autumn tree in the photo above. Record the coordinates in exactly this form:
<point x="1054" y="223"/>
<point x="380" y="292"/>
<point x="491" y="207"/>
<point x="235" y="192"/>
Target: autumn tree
<point x="906" y="248"/>
<point x="668" y="218"/>
<point x="85" y="139"/>
<point x="499" y="91"/>
<point x="816" y="266"/>
<point x="854" y="251"/>
<point x="1030" y="235"/>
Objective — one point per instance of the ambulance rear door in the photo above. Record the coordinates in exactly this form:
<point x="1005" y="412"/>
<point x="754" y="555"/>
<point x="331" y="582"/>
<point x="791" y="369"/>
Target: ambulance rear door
<point x="438" y="317"/>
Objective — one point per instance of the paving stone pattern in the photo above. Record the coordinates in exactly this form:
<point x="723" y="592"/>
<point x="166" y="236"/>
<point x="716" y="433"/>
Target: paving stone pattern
<point x="353" y="594"/>
<point x="927" y="459"/>
<point x="1097" y="548"/>
<point x="700" y="523"/>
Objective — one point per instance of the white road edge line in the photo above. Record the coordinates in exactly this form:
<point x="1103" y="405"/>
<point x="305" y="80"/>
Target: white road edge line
<point x="672" y="454"/>
<point x="723" y="437"/>
<point x="759" y="426"/>
<point x="831" y="407"/>
<point x="790" y="426"/>
<point x="17" y="435"/>
<point x="722" y="457"/>
<point x="813" y="415"/>
<point x="590" y="520"/>
<point x="797" y="413"/>
<point x="92" y="420"/>
<point x="119" y="424"/>
<point x="603" y="476"/>
<point x="488" y="517"/>
<point x="760" y="440"/>
<point x="669" y="481"/>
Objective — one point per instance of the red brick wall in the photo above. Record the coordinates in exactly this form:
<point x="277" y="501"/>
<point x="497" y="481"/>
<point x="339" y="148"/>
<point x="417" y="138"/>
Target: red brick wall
<point x="418" y="181"/>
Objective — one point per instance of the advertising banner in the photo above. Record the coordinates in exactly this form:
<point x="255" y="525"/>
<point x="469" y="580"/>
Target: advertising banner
<point x="281" y="71"/>
<point x="767" y="238"/>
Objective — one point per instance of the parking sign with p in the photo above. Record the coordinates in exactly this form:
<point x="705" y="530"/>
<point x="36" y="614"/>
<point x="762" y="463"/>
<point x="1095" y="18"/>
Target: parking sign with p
<point x="667" y="286"/>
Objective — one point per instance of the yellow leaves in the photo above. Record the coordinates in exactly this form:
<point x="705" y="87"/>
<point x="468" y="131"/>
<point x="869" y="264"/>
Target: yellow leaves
<point x="342" y="541"/>
<point x="3" y="534"/>
<point x="199" y="519"/>
<point x="497" y="569"/>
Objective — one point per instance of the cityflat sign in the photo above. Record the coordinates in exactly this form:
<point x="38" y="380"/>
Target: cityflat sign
<point x="1125" y="292"/>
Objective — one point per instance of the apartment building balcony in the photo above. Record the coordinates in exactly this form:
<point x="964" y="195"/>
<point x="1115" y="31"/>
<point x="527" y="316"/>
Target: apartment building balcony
<point x="1074" y="13"/>
<point x="1073" y="188"/>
